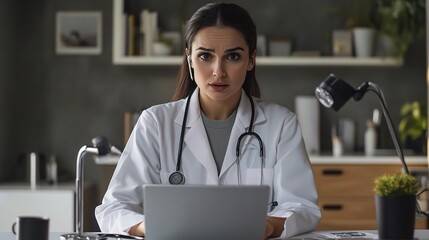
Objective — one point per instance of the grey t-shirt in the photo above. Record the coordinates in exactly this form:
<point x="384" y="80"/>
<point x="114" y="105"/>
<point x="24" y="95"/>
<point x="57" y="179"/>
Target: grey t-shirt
<point x="218" y="133"/>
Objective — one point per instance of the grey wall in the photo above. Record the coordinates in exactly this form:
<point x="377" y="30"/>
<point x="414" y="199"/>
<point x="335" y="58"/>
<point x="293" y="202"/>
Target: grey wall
<point x="56" y="103"/>
<point x="7" y="80"/>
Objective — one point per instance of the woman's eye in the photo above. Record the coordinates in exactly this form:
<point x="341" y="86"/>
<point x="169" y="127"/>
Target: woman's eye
<point x="205" y="56"/>
<point x="234" y="56"/>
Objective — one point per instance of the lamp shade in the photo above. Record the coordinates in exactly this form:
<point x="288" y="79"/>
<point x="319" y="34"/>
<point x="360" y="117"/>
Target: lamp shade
<point x="102" y="144"/>
<point x="334" y="92"/>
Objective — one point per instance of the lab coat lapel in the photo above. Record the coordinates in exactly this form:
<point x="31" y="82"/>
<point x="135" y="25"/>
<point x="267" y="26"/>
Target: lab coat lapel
<point x="241" y="125"/>
<point x="196" y="138"/>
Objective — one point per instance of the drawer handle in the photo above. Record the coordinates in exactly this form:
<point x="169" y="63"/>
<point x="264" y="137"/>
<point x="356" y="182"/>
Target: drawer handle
<point x="332" y="206"/>
<point x="332" y="172"/>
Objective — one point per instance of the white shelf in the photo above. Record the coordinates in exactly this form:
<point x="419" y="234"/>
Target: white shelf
<point x="270" y="61"/>
<point x="366" y="160"/>
<point x="327" y="61"/>
<point x="119" y="57"/>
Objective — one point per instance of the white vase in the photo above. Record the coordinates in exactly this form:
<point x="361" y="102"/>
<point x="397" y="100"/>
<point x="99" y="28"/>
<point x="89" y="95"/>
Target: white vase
<point x="308" y="114"/>
<point x="364" y="40"/>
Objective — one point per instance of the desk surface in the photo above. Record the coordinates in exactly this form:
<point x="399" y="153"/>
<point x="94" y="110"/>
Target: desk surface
<point x="420" y="234"/>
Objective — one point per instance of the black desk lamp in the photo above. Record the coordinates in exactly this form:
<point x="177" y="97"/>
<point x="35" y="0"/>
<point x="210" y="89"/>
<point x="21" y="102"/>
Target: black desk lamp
<point x="101" y="146"/>
<point x="335" y="92"/>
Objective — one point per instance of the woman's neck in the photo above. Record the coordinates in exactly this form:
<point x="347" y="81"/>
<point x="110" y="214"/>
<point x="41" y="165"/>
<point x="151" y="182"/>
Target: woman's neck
<point x="219" y="110"/>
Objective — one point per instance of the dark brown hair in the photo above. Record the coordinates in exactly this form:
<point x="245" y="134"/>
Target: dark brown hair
<point x="218" y="14"/>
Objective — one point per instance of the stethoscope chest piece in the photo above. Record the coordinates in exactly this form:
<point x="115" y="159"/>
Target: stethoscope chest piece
<point x="176" y="178"/>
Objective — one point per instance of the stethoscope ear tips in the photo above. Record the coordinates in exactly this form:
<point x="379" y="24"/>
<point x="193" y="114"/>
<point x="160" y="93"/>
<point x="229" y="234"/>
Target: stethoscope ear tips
<point x="177" y="178"/>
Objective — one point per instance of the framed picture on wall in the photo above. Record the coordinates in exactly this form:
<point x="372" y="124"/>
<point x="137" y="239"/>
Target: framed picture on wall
<point x="78" y="32"/>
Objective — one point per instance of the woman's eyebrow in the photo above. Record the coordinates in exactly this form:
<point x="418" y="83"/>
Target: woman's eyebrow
<point x="234" y="49"/>
<point x="227" y="50"/>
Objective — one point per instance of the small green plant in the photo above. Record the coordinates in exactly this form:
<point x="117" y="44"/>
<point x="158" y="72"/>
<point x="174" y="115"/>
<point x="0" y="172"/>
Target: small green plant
<point x="396" y="185"/>
<point x="414" y="122"/>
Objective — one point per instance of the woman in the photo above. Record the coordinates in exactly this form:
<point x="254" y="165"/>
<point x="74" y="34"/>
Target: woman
<point x="216" y="81"/>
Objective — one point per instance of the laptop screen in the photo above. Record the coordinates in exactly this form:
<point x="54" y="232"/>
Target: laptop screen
<point x="205" y="212"/>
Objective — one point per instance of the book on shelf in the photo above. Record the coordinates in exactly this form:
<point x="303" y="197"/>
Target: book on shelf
<point x="131" y="32"/>
<point x="132" y="37"/>
<point x="140" y="32"/>
<point x="149" y="30"/>
<point x="125" y="33"/>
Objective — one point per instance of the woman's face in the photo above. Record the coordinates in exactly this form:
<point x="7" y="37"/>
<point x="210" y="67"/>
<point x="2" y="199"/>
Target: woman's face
<point x="220" y="59"/>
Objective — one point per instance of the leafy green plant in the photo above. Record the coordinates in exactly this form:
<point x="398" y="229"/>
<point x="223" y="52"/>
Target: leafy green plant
<point x="403" y="21"/>
<point x="414" y="122"/>
<point x="396" y="185"/>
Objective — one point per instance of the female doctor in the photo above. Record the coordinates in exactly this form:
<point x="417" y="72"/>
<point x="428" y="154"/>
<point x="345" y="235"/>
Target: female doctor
<point x="196" y="138"/>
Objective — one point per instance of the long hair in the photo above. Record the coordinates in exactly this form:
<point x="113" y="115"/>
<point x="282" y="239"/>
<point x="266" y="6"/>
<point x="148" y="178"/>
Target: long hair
<point x="218" y="14"/>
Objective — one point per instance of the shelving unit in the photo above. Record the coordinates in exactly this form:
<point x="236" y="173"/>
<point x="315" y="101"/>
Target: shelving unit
<point x="119" y="57"/>
<point x="269" y="61"/>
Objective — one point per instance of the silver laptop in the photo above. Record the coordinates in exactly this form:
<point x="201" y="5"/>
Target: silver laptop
<point x="205" y="212"/>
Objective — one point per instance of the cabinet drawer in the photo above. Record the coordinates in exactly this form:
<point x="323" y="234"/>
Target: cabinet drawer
<point x="347" y="213"/>
<point x="349" y="180"/>
<point x="356" y="213"/>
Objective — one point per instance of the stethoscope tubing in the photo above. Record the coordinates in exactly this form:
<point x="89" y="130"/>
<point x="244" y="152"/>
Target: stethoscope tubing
<point x="178" y="177"/>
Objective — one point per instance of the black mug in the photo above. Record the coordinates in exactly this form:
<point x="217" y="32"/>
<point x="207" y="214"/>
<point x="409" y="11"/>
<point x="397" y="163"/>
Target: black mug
<point x="31" y="228"/>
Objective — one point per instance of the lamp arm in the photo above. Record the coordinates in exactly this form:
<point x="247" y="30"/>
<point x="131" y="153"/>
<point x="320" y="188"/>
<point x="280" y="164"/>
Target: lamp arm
<point x="377" y="90"/>
<point x="373" y="87"/>
<point x="79" y="186"/>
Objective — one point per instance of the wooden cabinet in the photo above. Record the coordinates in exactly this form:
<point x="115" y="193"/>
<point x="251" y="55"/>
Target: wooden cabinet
<point x="346" y="196"/>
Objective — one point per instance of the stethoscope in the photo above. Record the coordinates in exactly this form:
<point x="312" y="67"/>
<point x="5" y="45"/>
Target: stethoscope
<point x="178" y="177"/>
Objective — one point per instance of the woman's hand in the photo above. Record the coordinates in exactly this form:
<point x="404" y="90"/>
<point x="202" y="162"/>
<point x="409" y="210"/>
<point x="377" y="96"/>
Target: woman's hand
<point x="137" y="230"/>
<point x="274" y="226"/>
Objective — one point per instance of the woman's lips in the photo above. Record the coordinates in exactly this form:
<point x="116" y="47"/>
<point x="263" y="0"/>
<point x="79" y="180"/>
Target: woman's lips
<point x="218" y="86"/>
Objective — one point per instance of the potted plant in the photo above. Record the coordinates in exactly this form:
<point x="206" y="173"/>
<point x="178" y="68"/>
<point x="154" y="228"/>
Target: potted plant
<point x="413" y="126"/>
<point x="395" y="201"/>
<point x="401" y="21"/>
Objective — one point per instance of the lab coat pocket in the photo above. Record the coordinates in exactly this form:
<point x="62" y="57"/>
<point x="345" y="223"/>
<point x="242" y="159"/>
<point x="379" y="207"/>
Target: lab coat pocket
<point x="254" y="175"/>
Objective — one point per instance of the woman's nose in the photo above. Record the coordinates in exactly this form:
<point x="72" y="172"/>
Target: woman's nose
<point x="218" y="70"/>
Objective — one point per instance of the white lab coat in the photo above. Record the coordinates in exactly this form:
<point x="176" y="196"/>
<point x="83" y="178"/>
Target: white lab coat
<point x="150" y="156"/>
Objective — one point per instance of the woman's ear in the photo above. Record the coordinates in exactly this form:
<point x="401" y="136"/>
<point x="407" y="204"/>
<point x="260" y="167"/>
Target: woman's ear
<point x="188" y="57"/>
<point x="252" y="61"/>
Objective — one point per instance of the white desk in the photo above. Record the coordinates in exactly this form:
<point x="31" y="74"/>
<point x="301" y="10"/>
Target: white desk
<point x="53" y="201"/>
<point x="420" y="234"/>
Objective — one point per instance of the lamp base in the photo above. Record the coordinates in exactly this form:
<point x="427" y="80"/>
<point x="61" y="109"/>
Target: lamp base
<point x="97" y="236"/>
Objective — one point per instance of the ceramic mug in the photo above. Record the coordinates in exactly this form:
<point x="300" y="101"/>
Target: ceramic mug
<point x="31" y="228"/>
